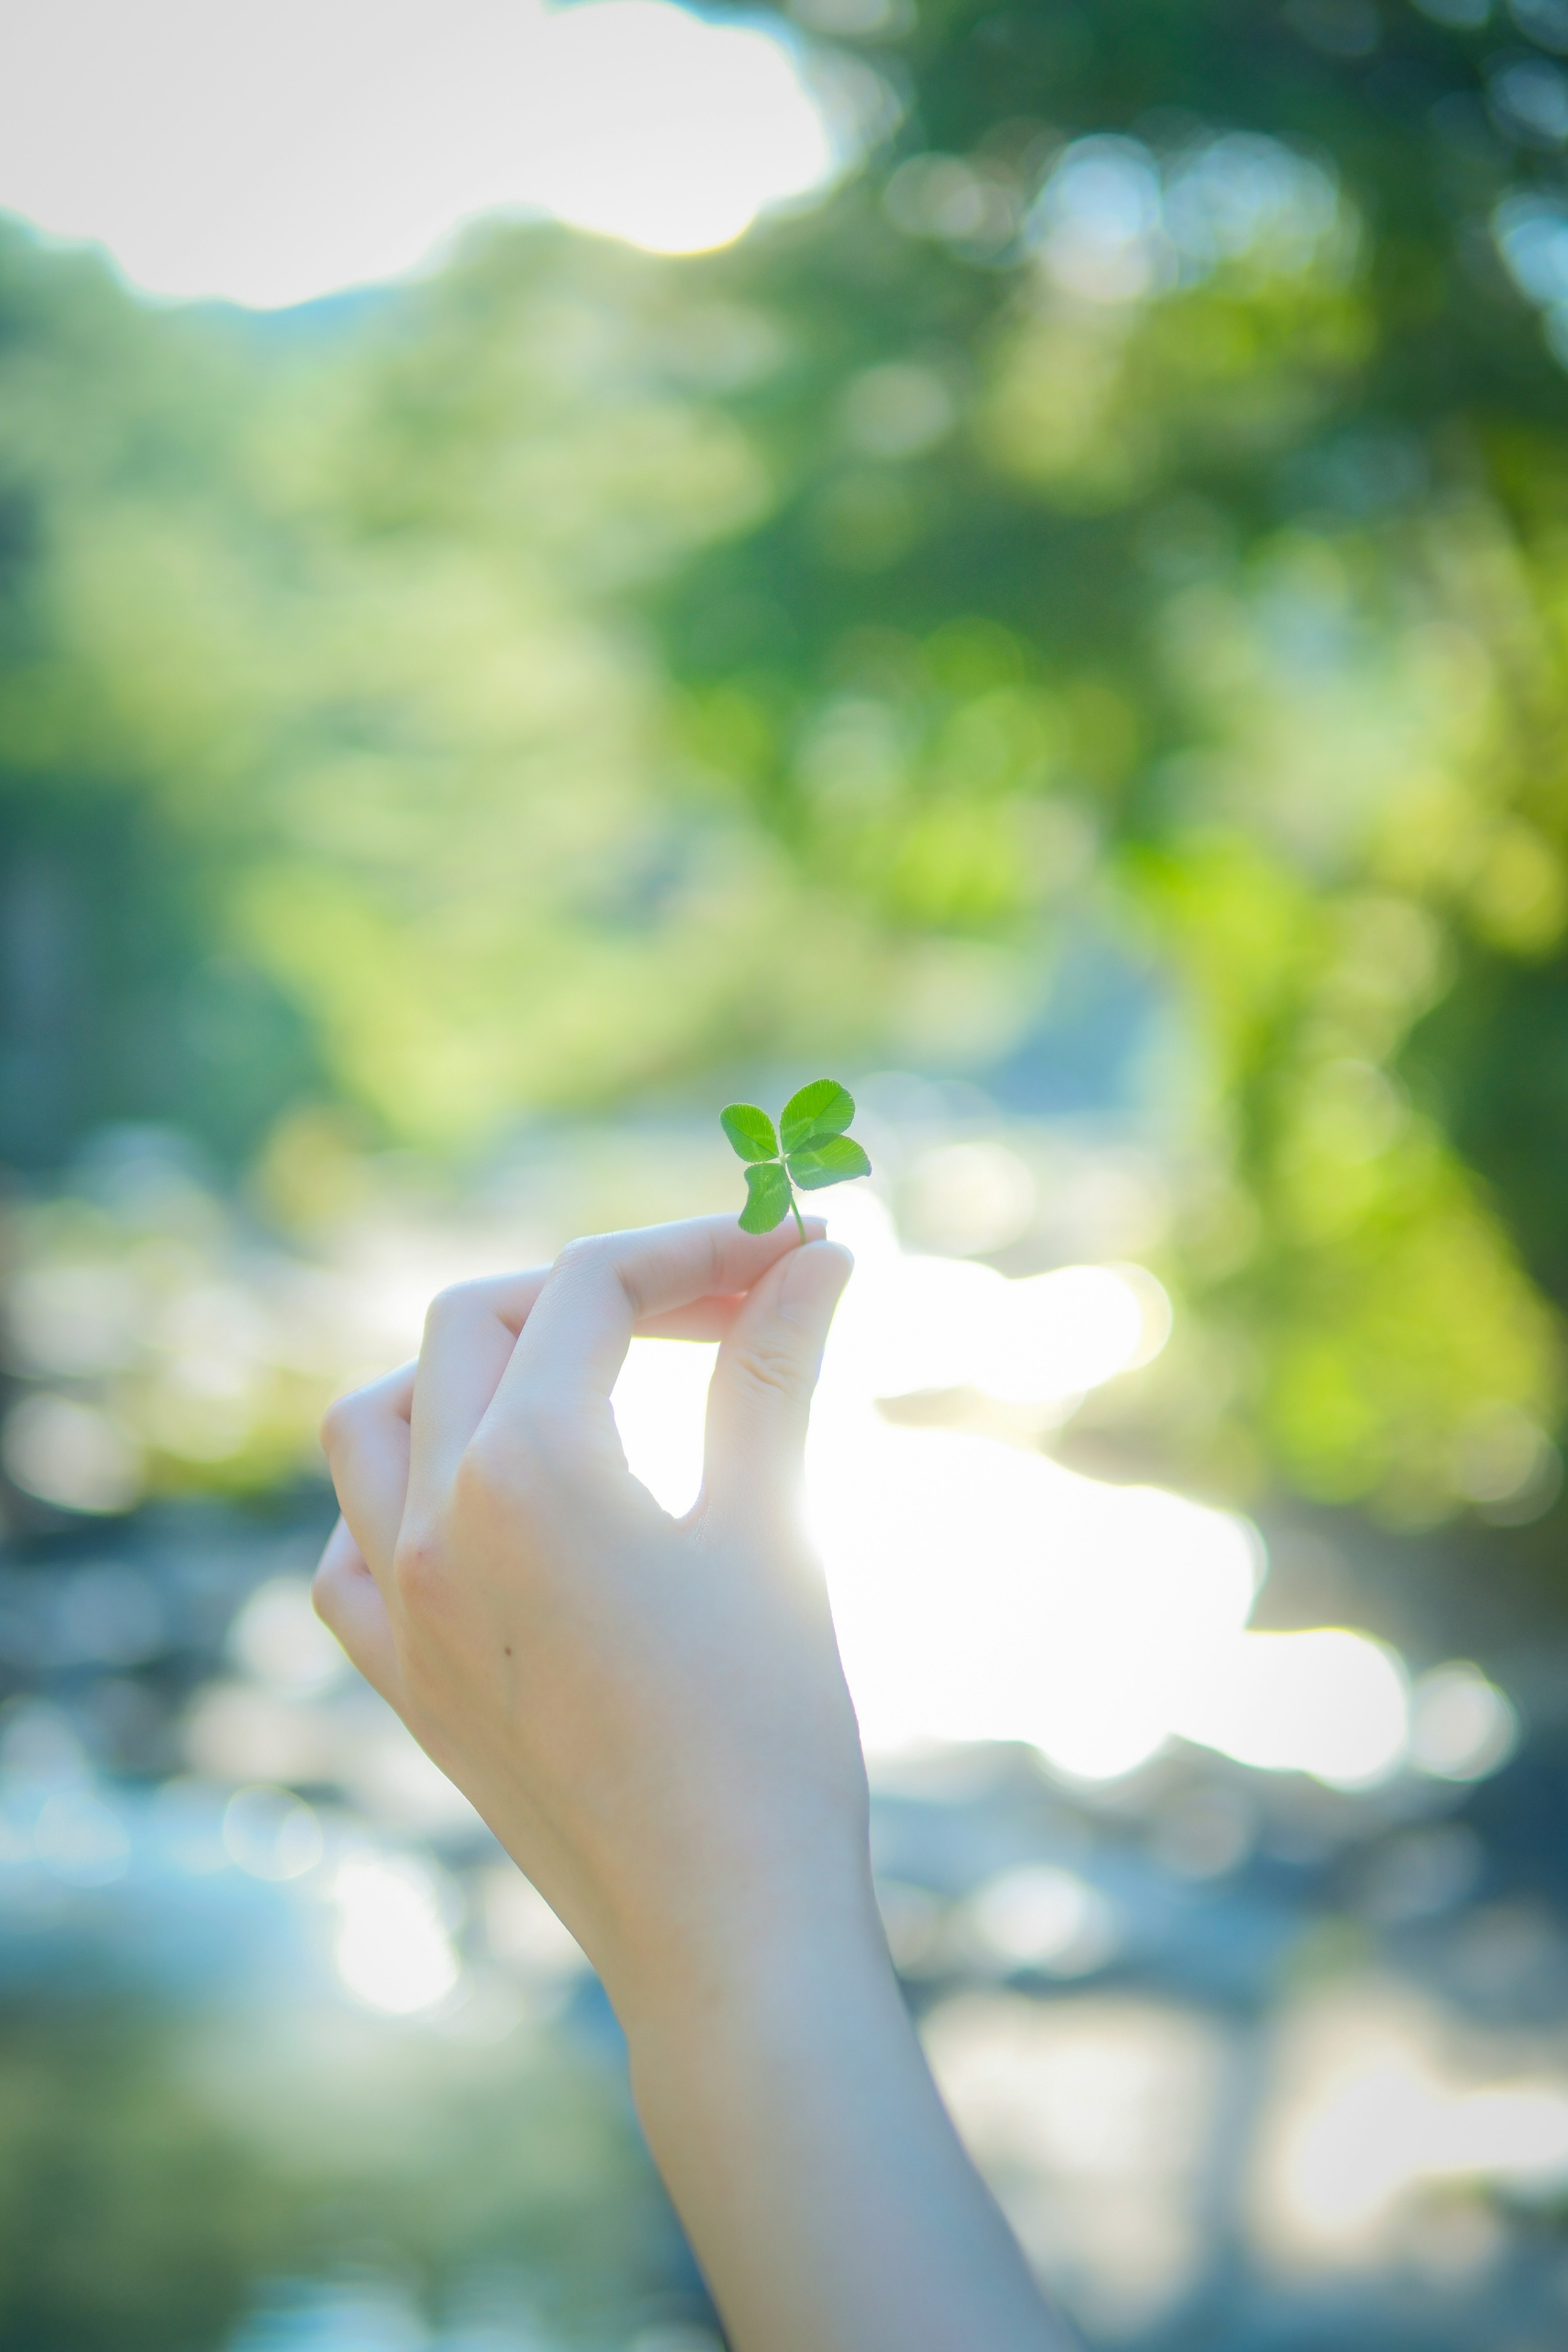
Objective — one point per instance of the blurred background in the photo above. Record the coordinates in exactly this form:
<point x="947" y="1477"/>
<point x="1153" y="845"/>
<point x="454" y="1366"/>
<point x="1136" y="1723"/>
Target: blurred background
<point x="561" y="566"/>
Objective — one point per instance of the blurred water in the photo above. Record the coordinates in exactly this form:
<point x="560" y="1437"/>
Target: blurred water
<point x="379" y="2317"/>
<point x="1252" y="2060"/>
<point x="347" y="2319"/>
<point x="1229" y="1889"/>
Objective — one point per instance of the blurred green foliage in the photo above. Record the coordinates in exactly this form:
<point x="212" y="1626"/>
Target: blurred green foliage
<point x="150" y="2171"/>
<point x="1136" y="507"/>
<point x="101" y="2149"/>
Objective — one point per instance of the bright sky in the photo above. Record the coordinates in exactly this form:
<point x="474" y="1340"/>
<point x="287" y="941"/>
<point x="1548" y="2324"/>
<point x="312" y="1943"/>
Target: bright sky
<point x="273" y="154"/>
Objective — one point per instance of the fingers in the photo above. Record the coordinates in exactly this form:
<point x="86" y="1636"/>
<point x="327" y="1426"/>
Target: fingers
<point x="365" y="1437"/>
<point x="470" y="1332"/>
<point x="598" y="1291"/>
<point x="759" y="1401"/>
<point x="348" y="1602"/>
<point x="706" y="1318"/>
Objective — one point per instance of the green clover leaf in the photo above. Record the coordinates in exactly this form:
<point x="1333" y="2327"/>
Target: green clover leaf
<point x="834" y="1160"/>
<point x="814" y="1151"/>
<point x="824" y="1107"/>
<point x="750" y="1131"/>
<point x="768" y="1199"/>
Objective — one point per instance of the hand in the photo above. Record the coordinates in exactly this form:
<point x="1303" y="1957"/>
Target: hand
<point x="649" y="1713"/>
<point x="650" y="1716"/>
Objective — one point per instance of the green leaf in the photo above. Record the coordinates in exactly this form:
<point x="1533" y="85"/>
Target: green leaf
<point x="766" y="1198"/>
<point x="750" y="1131"/>
<point x="834" y="1160"/>
<point x="824" y="1107"/>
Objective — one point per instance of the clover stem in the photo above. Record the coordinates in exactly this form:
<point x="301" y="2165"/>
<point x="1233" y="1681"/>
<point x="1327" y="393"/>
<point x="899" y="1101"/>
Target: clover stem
<point x="795" y="1211"/>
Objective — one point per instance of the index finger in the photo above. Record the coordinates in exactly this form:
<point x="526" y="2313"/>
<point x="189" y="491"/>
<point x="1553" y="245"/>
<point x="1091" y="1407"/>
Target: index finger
<point x="470" y="1333"/>
<point x="598" y="1290"/>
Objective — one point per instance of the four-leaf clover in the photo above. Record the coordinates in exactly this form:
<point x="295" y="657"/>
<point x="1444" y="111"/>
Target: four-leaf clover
<point x="811" y="1149"/>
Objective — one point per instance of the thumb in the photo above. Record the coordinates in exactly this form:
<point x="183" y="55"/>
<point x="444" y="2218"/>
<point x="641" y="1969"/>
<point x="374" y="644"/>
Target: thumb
<point x="760" y="1399"/>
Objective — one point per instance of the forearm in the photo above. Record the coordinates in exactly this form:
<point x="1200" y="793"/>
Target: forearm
<point x="796" y="2124"/>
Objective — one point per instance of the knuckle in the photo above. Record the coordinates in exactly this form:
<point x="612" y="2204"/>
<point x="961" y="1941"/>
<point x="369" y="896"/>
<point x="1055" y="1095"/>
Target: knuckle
<point x="774" y="1368"/>
<point x="496" y="1477"/>
<point x="449" y="1304"/>
<point x="324" y="1595"/>
<point x="511" y="1491"/>
<point x="583" y="1249"/>
<point x="601" y="1253"/>
<point x="476" y="1483"/>
<point x="341" y="1421"/>
<point x="486" y="1491"/>
<point x="417" y="1567"/>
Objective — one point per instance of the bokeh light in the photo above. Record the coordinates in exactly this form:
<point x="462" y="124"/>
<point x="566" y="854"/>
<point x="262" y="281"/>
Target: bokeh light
<point x="271" y="1834"/>
<point x="1462" y="1725"/>
<point x="391" y="1946"/>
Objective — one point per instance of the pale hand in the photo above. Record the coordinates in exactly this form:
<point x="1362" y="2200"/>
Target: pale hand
<point x="651" y="1715"/>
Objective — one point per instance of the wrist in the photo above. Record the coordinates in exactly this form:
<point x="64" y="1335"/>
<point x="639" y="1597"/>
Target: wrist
<point x="766" y="1956"/>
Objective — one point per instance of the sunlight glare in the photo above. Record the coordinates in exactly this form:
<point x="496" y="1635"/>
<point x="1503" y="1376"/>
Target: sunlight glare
<point x="910" y="1322"/>
<point x="982" y="1591"/>
<point x="660" y="1401"/>
<point x="274" y="157"/>
<point x="672" y="133"/>
<point x="1376" y="2109"/>
<point x="1328" y="1702"/>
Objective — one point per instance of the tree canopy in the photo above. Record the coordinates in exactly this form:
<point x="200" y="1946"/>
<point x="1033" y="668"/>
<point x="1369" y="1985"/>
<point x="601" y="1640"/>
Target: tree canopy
<point x="1126" y="527"/>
